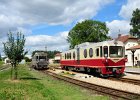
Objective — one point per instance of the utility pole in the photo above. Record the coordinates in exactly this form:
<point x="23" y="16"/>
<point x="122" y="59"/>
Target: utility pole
<point x="46" y="48"/>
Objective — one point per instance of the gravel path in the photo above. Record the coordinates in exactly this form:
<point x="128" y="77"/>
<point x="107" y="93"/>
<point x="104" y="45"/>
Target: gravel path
<point x="105" y="82"/>
<point x="132" y="76"/>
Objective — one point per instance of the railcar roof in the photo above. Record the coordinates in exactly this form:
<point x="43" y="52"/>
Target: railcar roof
<point x="40" y="54"/>
<point x="104" y="43"/>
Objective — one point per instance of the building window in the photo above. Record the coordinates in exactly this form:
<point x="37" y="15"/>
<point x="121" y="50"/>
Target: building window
<point x="85" y="53"/>
<point x="91" y="52"/>
<point x="97" y="52"/>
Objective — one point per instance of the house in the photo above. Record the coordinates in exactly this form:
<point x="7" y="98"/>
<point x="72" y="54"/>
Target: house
<point x="136" y="54"/>
<point x="129" y="41"/>
<point x="57" y="58"/>
<point x="7" y="61"/>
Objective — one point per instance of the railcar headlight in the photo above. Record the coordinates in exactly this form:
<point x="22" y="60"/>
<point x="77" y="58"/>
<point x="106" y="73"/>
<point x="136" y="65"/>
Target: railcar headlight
<point x="126" y="60"/>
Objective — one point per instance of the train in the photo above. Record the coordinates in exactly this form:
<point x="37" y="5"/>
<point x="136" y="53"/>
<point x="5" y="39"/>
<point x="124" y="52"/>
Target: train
<point x="40" y="60"/>
<point x="105" y="58"/>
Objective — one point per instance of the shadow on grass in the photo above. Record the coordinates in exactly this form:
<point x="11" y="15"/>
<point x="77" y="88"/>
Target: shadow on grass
<point x="29" y="78"/>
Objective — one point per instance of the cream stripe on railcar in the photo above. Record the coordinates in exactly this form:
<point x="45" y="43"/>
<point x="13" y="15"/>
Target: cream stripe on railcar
<point x="94" y="46"/>
<point x="88" y="45"/>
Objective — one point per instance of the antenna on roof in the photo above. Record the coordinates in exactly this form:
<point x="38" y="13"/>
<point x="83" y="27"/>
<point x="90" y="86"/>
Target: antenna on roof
<point x="119" y="31"/>
<point x="46" y="48"/>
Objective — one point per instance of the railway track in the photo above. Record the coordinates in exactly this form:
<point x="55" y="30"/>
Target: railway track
<point x="135" y="73"/>
<point x="4" y="67"/>
<point x="126" y="80"/>
<point x="101" y="89"/>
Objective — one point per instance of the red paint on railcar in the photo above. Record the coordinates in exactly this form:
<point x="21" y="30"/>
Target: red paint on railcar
<point x="97" y="63"/>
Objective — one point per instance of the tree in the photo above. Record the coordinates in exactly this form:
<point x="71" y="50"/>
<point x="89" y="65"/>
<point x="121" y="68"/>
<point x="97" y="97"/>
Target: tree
<point x="14" y="50"/>
<point x="27" y="59"/>
<point x="0" y="57"/>
<point x="87" y="31"/>
<point x="135" y="23"/>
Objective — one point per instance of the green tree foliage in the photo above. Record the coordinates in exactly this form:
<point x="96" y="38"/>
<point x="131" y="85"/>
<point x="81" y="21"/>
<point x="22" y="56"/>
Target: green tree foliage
<point x="50" y="54"/>
<point x="27" y="59"/>
<point x="135" y="23"/>
<point x="14" y="50"/>
<point x="88" y="31"/>
<point x="0" y="58"/>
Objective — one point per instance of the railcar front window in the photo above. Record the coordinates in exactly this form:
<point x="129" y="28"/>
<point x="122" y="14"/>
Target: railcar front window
<point x="42" y="58"/>
<point x="116" y="51"/>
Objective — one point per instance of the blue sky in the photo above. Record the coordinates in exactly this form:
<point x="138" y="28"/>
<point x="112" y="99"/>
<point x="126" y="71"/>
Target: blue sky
<point x="107" y="13"/>
<point x="47" y="22"/>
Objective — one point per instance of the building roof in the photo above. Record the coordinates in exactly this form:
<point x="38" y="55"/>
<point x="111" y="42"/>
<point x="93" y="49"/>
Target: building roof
<point x="124" y="38"/>
<point x="134" y="47"/>
<point x="58" y="54"/>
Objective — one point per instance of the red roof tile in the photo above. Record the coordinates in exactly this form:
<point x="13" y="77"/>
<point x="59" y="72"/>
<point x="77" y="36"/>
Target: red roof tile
<point x="134" y="47"/>
<point x="124" y="38"/>
<point x="58" y="54"/>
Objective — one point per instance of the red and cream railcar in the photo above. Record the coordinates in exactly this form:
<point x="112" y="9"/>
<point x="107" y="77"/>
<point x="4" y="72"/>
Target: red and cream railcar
<point x="105" y="58"/>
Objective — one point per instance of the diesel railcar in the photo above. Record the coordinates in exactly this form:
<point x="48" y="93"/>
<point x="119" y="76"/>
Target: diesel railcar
<point x="40" y="60"/>
<point x="104" y="58"/>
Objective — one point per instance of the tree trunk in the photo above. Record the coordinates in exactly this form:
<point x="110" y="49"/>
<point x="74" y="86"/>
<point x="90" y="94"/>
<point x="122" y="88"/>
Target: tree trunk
<point x="16" y="72"/>
<point x="12" y="72"/>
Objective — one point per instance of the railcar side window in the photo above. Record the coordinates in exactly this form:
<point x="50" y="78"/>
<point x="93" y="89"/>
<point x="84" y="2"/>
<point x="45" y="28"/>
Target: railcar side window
<point x="65" y="56"/>
<point x="70" y="55"/>
<point x="85" y="53"/>
<point x="91" y="52"/>
<point x="101" y="51"/>
<point x="97" y="52"/>
<point x="73" y="55"/>
<point x="105" y="51"/>
<point x="36" y="58"/>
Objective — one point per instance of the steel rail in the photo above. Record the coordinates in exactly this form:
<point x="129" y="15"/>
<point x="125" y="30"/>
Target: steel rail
<point x="101" y="89"/>
<point x="126" y="80"/>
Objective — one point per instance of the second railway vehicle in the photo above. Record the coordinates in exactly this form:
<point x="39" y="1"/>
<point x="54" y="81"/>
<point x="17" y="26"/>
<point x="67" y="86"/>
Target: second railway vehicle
<point x="40" y="60"/>
<point x="105" y="58"/>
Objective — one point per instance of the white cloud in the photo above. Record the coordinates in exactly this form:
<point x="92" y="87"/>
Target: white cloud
<point x="126" y="13"/>
<point x="39" y="42"/>
<point x="126" y="10"/>
<point x="18" y="13"/>
<point x="118" y="26"/>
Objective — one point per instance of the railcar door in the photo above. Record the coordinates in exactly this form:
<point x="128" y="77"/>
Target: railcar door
<point x="78" y="55"/>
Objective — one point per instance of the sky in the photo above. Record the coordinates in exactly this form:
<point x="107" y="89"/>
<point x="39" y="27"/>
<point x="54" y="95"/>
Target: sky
<point x="46" y="23"/>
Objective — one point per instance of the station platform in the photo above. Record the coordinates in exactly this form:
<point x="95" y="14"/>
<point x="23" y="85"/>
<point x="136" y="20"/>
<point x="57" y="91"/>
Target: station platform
<point x="132" y="70"/>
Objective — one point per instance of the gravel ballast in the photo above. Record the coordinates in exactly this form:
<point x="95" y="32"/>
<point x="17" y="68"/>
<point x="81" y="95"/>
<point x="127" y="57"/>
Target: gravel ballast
<point x="105" y="82"/>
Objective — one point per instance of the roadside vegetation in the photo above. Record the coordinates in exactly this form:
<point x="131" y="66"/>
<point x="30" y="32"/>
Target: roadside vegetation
<point x="1" y="63"/>
<point x="33" y="85"/>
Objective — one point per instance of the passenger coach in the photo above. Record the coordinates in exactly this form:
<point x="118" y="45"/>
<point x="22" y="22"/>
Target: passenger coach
<point x="105" y="58"/>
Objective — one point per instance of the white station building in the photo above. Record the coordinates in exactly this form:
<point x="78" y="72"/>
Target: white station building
<point x="130" y="43"/>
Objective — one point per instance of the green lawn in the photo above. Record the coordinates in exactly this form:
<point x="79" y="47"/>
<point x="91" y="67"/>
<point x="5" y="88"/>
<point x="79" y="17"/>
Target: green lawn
<point x="33" y="85"/>
<point x="1" y="63"/>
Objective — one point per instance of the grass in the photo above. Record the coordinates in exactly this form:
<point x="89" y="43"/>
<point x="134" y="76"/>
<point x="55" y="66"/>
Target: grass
<point x="54" y="65"/>
<point x="33" y="85"/>
<point x="1" y="63"/>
